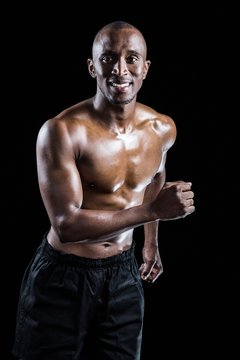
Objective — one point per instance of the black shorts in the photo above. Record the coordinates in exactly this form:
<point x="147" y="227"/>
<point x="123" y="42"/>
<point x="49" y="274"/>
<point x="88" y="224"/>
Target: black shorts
<point x="76" y="308"/>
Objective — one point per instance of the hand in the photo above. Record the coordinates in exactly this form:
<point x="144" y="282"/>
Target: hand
<point x="174" y="201"/>
<point x="151" y="267"/>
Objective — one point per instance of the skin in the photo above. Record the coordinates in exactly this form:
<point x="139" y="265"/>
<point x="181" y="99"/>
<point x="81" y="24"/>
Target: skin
<point x="101" y="162"/>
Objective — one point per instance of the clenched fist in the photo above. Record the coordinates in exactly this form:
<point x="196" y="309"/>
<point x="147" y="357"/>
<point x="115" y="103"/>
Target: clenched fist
<point x="174" y="201"/>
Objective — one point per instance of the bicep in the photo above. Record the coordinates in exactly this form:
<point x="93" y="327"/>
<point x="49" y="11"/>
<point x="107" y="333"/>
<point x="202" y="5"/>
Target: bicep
<point x="58" y="176"/>
<point x="167" y="132"/>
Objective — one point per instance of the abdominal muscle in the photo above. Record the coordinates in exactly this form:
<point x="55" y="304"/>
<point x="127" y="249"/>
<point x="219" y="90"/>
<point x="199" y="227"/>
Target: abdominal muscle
<point x="95" y="250"/>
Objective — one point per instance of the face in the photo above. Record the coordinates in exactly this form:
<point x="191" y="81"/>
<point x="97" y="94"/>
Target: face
<point x="119" y="64"/>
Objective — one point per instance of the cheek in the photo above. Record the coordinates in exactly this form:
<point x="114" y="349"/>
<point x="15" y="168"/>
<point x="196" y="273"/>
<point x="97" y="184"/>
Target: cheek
<point x="103" y="71"/>
<point x="139" y="72"/>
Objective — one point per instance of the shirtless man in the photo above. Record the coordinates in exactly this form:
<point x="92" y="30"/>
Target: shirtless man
<point x="101" y="171"/>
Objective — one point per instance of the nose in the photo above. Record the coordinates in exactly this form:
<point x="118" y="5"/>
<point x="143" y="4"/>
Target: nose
<point x="120" y="67"/>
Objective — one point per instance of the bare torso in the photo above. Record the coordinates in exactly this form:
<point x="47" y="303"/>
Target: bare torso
<point x="115" y="168"/>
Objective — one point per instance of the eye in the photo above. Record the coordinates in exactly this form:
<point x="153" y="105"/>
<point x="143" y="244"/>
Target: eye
<point x="106" y="59"/>
<point x="132" y="59"/>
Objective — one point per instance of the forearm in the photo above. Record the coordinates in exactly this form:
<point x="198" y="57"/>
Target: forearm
<point x="151" y="229"/>
<point x="151" y="233"/>
<point x="76" y="224"/>
<point x="84" y="225"/>
<point x="151" y="266"/>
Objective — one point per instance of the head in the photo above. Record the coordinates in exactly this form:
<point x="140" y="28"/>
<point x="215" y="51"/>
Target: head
<point x="119" y="62"/>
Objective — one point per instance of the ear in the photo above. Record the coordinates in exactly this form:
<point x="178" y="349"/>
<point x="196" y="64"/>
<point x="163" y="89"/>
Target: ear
<point x="146" y="67"/>
<point x="91" y="69"/>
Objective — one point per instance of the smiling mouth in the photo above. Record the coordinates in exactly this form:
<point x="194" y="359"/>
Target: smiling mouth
<point x="121" y="87"/>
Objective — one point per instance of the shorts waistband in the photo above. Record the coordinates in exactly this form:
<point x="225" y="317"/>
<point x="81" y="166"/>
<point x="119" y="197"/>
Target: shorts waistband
<point x="48" y="250"/>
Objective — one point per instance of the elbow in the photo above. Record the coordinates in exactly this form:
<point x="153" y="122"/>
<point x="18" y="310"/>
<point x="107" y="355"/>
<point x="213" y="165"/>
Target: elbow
<point x="65" y="229"/>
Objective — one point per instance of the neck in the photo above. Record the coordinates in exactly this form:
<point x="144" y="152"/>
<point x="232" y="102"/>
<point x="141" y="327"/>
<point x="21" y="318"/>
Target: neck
<point x="120" y="111"/>
<point x="118" y="118"/>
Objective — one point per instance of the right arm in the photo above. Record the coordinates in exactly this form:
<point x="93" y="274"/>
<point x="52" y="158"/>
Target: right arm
<point x="62" y="194"/>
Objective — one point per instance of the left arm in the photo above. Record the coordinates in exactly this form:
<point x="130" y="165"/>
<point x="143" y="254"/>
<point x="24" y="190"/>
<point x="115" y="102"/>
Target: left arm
<point x="152" y="267"/>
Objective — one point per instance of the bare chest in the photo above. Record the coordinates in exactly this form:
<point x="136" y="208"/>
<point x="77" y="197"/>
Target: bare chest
<point x="128" y="161"/>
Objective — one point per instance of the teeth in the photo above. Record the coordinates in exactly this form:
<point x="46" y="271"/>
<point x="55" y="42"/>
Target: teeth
<point x="120" y="85"/>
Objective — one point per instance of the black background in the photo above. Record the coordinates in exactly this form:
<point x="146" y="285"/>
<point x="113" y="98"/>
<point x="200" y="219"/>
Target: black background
<point x="192" y="308"/>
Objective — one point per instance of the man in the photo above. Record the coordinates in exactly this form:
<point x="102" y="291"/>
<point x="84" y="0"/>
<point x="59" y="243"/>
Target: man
<point x="101" y="171"/>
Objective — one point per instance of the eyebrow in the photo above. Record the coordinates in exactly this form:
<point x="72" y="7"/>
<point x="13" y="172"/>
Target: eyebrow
<point x="129" y="52"/>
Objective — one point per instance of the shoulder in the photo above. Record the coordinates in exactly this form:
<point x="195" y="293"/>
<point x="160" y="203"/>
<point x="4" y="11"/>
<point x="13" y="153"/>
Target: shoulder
<point x="163" y="125"/>
<point x="65" y="124"/>
<point x="145" y="112"/>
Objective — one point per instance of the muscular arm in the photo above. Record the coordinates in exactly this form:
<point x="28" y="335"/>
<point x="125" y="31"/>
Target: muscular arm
<point x="62" y="194"/>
